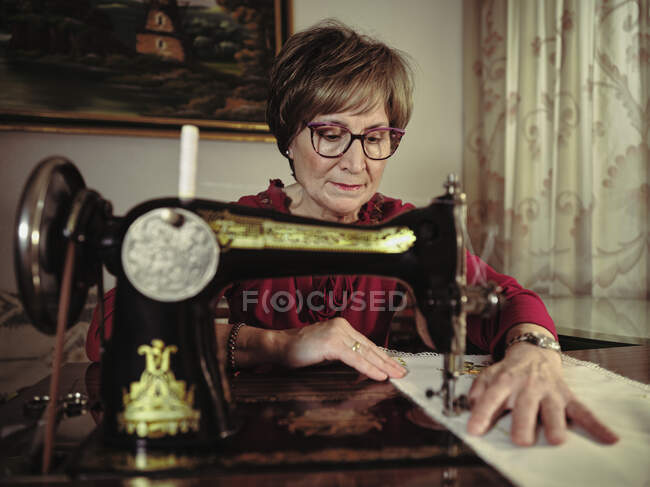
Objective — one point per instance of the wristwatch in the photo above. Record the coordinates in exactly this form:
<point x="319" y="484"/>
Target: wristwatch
<point x="537" y="339"/>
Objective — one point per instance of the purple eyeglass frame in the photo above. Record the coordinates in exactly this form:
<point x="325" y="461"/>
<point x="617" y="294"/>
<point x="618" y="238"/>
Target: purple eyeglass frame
<point x="353" y="137"/>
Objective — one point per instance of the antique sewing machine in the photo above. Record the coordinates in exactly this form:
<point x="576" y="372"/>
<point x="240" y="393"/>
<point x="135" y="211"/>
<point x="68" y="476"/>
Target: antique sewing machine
<point x="164" y="382"/>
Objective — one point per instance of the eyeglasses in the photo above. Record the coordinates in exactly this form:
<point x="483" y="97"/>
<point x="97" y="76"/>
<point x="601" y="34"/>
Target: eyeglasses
<point x="333" y="140"/>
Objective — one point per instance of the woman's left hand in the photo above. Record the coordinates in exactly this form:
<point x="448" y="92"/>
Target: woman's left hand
<point x="529" y="382"/>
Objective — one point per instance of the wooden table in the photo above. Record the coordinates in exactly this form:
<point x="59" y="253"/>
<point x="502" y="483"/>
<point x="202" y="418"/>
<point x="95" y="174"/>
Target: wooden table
<point x="311" y="427"/>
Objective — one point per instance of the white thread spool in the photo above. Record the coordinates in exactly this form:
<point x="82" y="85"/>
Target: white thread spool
<point x="187" y="164"/>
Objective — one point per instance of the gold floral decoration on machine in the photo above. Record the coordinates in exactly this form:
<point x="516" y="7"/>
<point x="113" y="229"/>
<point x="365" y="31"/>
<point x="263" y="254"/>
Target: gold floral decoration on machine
<point x="249" y="232"/>
<point x="158" y="405"/>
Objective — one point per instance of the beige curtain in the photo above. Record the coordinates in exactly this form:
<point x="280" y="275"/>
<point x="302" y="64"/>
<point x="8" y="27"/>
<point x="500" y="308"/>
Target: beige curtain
<point x="557" y="142"/>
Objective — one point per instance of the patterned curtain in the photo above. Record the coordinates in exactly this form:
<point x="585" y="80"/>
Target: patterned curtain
<point x="557" y="142"/>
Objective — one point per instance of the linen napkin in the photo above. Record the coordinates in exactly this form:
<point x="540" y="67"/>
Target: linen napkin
<point x="621" y="403"/>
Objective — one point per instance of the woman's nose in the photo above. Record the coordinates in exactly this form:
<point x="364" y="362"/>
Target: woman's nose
<point x="354" y="160"/>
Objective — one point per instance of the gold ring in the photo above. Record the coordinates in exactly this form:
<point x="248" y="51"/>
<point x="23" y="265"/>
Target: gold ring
<point x="356" y="347"/>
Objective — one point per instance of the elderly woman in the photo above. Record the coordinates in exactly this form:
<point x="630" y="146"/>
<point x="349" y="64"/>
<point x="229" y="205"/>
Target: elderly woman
<point x="339" y="103"/>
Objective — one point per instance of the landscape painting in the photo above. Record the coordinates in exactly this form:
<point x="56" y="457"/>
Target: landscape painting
<point x="140" y="66"/>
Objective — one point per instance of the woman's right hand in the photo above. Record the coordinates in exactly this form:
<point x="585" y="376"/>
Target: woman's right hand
<point x="334" y="339"/>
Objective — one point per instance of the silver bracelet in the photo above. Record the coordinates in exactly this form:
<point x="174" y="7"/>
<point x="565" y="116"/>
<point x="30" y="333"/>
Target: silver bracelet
<point x="537" y="339"/>
<point x="232" y="345"/>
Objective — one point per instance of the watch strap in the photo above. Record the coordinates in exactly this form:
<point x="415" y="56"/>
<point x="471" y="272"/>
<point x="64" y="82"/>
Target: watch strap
<point x="537" y="339"/>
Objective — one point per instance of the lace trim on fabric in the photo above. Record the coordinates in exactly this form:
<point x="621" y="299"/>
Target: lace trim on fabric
<point x="398" y="353"/>
<point x="608" y="373"/>
<point x="565" y="359"/>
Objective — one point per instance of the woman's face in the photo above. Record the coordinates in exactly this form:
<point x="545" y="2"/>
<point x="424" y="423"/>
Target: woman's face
<point x="335" y="189"/>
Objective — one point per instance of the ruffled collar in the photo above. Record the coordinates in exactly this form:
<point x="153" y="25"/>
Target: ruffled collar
<point x="275" y="198"/>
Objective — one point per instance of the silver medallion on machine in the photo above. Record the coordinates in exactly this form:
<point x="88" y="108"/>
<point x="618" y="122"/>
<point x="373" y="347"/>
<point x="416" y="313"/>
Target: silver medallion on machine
<point x="169" y="254"/>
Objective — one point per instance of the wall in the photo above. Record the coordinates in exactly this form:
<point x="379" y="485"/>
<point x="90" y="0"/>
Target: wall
<point x="128" y="170"/>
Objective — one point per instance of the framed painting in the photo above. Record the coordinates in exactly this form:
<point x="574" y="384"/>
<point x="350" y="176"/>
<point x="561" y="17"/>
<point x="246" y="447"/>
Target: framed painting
<point x="139" y="67"/>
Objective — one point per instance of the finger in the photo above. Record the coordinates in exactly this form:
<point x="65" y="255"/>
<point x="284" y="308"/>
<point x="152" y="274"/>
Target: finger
<point x="360" y="363"/>
<point x="480" y="384"/>
<point x="497" y="415"/>
<point x="524" y="418"/>
<point x="378" y="351"/>
<point x="554" y="420"/>
<point x="476" y="390"/>
<point x="377" y="356"/>
<point x="487" y="407"/>
<point x="385" y="363"/>
<point x="370" y="352"/>
<point x="581" y="415"/>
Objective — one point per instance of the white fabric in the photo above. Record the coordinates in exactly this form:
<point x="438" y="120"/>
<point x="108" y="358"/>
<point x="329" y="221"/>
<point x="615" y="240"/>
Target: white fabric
<point x="623" y="404"/>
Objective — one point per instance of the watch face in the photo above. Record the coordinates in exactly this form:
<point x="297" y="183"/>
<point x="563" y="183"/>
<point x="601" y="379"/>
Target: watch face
<point x="547" y="342"/>
<point x="537" y="339"/>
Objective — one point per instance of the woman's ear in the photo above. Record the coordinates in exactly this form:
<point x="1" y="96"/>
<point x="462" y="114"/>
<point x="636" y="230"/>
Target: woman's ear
<point x="289" y="155"/>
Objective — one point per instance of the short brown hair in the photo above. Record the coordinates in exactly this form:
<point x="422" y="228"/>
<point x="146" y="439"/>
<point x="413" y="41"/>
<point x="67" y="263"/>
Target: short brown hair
<point x="330" y="68"/>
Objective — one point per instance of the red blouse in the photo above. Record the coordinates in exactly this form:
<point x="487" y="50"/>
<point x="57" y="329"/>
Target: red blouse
<point x="366" y="302"/>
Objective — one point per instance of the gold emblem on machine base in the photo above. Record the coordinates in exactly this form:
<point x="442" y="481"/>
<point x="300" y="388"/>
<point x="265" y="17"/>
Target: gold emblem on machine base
<point x="158" y="405"/>
<point x="249" y="232"/>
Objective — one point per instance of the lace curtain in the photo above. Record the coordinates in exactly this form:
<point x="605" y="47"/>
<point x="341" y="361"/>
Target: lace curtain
<point x="557" y="142"/>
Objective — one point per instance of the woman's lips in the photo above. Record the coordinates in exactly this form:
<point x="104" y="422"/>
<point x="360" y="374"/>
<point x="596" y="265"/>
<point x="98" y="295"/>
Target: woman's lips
<point x="348" y="187"/>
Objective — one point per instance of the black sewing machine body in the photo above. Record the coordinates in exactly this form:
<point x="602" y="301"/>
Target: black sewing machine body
<point x="164" y="382"/>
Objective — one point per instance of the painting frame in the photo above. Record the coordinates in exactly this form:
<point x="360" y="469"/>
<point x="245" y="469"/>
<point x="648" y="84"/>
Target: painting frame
<point x="45" y="120"/>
